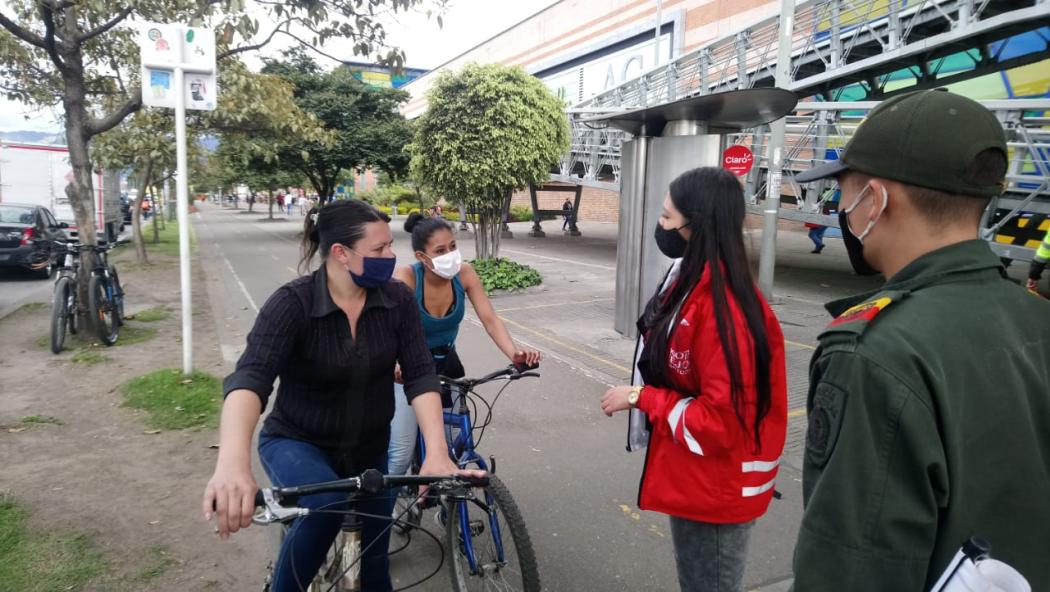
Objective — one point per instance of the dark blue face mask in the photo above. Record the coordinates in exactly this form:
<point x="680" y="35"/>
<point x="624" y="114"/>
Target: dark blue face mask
<point x="377" y="271"/>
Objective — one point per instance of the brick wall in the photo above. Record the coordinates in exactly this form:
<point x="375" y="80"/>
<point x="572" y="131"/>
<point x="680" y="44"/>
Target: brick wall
<point x="596" y="205"/>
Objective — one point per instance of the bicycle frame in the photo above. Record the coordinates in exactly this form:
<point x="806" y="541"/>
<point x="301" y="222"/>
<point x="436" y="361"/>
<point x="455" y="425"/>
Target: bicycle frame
<point x="463" y="452"/>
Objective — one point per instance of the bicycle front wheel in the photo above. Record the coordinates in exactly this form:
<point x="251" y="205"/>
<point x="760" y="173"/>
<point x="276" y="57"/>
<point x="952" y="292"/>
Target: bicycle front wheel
<point x="102" y="309"/>
<point x="118" y="294"/>
<point x="59" y="314"/>
<point x="503" y="558"/>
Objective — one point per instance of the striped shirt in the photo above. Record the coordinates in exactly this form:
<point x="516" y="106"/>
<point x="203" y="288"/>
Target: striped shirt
<point x="334" y="391"/>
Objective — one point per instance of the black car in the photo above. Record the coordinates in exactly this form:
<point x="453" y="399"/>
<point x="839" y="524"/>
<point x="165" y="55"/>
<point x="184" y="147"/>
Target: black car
<point x="27" y="235"/>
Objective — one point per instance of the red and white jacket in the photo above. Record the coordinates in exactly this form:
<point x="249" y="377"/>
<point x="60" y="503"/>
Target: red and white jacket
<point x="701" y="464"/>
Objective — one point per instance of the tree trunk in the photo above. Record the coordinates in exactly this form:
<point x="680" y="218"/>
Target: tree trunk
<point x="136" y="215"/>
<point x="269" y="202"/>
<point x="153" y="209"/>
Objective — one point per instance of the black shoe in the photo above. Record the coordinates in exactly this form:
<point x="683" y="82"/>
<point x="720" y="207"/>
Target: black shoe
<point x="817" y="250"/>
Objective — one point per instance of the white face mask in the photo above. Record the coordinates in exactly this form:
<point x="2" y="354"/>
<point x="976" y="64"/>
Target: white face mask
<point x="447" y="265"/>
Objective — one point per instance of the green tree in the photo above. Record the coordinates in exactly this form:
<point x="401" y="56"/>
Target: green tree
<point x="366" y="129"/>
<point x="488" y="130"/>
<point x="83" y="55"/>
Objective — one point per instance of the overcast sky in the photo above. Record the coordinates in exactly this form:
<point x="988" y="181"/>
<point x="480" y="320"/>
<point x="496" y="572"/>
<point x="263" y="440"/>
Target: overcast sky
<point x="466" y="24"/>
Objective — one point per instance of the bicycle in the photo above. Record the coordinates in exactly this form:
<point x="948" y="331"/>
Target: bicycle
<point x="105" y="296"/>
<point x="341" y="569"/>
<point x="482" y="557"/>
<point x="65" y="301"/>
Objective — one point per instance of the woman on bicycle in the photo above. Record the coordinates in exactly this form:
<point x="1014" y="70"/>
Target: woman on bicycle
<point x="442" y="282"/>
<point x="715" y="387"/>
<point x="333" y="338"/>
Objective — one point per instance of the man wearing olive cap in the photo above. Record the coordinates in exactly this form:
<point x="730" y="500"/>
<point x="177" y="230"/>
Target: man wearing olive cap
<point x="929" y="399"/>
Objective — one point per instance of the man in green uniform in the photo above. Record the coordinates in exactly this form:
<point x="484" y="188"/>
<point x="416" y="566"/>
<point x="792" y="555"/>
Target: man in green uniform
<point x="929" y="400"/>
<point x="1042" y="256"/>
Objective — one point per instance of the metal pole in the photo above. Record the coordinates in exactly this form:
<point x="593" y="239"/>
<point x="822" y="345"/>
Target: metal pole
<point x="659" y="18"/>
<point x="767" y="258"/>
<point x="183" y="210"/>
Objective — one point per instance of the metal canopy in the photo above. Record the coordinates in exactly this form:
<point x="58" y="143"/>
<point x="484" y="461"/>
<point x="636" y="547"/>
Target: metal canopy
<point x="722" y="112"/>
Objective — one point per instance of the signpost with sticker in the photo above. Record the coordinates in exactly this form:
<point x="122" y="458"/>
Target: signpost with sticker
<point x="178" y="72"/>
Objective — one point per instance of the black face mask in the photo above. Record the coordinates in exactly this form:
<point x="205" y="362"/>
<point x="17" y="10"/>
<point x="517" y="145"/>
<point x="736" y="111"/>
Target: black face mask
<point x="670" y="241"/>
<point x="854" y="247"/>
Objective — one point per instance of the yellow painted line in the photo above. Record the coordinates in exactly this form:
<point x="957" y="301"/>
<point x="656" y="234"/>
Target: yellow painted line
<point x="567" y="346"/>
<point x="801" y="411"/>
<point x="797" y="344"/>
<point x="292" y="270"/>
<point x="552" y="305"/>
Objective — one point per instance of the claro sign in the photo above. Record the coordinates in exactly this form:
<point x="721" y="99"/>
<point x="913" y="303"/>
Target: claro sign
<point x="738" y="160"/>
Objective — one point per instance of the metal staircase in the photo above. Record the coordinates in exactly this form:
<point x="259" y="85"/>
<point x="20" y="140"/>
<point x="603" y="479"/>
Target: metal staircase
<point x="843" y="51"/>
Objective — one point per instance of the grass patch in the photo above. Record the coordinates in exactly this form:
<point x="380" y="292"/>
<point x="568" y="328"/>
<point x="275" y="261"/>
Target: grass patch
<point x="43" y="419"/>
<point x="174" y="402"/>
<point x="44" y="341"/>
<point x="169" y="239"/>
<point x="130" y="335"/>
<point x="89" y="356"/>
<point x="33" y="306"/>
<point x="158" y="560"/>
<point x="35" y="561"/>
<point x="152" y="315"/>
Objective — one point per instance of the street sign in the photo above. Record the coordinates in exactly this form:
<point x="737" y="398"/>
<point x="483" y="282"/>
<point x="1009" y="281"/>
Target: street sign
<point x="738" y="160"/>
<point x="178" y="72"/>
<point x="166" y="46"/>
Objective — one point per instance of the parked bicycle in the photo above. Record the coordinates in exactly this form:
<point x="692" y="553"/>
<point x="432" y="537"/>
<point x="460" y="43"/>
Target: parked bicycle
<point x="64" y="303"/>
<point x="484" y="557"/>
<point x="341" y="569"/>
<point x="105" y="305"/>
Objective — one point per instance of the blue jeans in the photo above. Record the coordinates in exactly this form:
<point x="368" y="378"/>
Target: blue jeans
<point x="294" y="462"/>
<point x="710" y="557"/>
<point x="817" y="236"/>
<point x="403" y="430"/>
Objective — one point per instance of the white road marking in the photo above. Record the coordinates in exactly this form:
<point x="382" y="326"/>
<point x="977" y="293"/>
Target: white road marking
<point x="241" y="284"/>
<point x="580" y="263"/>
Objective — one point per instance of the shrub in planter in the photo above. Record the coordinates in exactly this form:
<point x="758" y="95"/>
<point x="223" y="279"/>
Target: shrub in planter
<point x="503" y="274"/>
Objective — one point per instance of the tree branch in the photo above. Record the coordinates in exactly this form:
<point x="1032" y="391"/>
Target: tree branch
<point x="22" y="33"/>
<point x="48" y="17"/>
<point x="97" y="126"/>
<point x="231" y="52"/>
<point x="99" y="30"/>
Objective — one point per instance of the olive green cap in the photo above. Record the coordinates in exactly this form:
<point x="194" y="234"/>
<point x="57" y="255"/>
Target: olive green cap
<point x="926" y="138"/>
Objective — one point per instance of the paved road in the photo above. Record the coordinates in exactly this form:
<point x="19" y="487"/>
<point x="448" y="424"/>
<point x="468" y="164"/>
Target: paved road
<point x="19" y="287"/>
<point x="561" y="457"/>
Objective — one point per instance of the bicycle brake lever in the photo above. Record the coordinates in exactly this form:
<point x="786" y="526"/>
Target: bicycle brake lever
<point x="275" y="512"/>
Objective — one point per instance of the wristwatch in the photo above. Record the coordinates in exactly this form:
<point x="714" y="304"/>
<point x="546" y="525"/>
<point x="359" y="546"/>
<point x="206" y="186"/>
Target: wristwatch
<point x="632" y="398"/>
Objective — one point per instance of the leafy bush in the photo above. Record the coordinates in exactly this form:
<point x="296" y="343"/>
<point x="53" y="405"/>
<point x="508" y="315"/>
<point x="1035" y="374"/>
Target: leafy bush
<point x="524" y="214"/>
<point x="503" y="274"/>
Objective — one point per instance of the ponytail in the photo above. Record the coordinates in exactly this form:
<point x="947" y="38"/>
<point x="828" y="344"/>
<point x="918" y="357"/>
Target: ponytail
<point x="311" y="240"/>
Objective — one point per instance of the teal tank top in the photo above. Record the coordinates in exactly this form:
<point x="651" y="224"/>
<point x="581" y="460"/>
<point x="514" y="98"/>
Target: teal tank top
<point x="440" y="331"/>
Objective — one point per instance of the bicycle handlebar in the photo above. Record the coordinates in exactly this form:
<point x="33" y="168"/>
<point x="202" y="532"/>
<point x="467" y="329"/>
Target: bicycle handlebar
<point x="512" y="372"/>
<point x="371" y="481"/>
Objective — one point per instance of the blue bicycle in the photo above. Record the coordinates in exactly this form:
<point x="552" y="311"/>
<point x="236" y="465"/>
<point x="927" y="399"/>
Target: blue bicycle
<point x="489" y="543"/>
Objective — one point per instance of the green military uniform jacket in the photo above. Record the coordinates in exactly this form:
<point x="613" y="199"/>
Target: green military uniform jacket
<point x="929" y="422"/>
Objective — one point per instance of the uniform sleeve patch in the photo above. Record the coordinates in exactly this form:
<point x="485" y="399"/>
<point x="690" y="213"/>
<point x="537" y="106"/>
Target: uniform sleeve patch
<point x="825" y="419"/>
<point x="864" y="312"/>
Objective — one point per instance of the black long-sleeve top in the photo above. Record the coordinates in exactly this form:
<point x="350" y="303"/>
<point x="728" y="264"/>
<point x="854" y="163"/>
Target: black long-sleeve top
<point x="335" y="392"/>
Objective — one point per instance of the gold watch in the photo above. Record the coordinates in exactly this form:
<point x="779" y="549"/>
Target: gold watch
<point x="632" y="399"/>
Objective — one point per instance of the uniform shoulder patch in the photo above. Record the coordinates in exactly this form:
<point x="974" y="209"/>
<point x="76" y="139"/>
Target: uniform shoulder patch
<point x="857" y="318"/>
<point x="825" y="421"/>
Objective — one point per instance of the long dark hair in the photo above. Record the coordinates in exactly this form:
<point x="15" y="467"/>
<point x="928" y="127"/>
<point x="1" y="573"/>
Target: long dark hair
<point x="422" y="228"/>
<point x="338" y="222"/>
<point x="712" y="201"/>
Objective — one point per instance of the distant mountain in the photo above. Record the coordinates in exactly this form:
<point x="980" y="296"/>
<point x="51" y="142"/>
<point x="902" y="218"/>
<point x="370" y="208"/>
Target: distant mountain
<point x="35" y="137"/>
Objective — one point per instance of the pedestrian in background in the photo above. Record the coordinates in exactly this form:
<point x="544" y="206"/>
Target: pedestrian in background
<point x="929" y="399"/>
<point x="566" y="213"/>
<point x="1035" y="270"/>
<point x="291" y="204"/>
<point x="816" y="231"/>
<point x="715" y="385"/>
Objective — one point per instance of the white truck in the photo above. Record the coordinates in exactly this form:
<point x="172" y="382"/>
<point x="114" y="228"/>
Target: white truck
<point x="37" y="174"/>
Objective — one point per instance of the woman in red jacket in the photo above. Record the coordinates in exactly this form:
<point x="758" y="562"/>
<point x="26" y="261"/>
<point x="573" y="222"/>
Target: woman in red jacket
<point x="715" y="386"/>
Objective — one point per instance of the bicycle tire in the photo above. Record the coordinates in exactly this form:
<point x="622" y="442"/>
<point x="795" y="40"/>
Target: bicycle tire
<point x="118" y="292"/>
<point x="100" y="307"/>
<point x="525" y="577"/>
<point x="74" y="315"/>
<point x="59" y="314"/>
